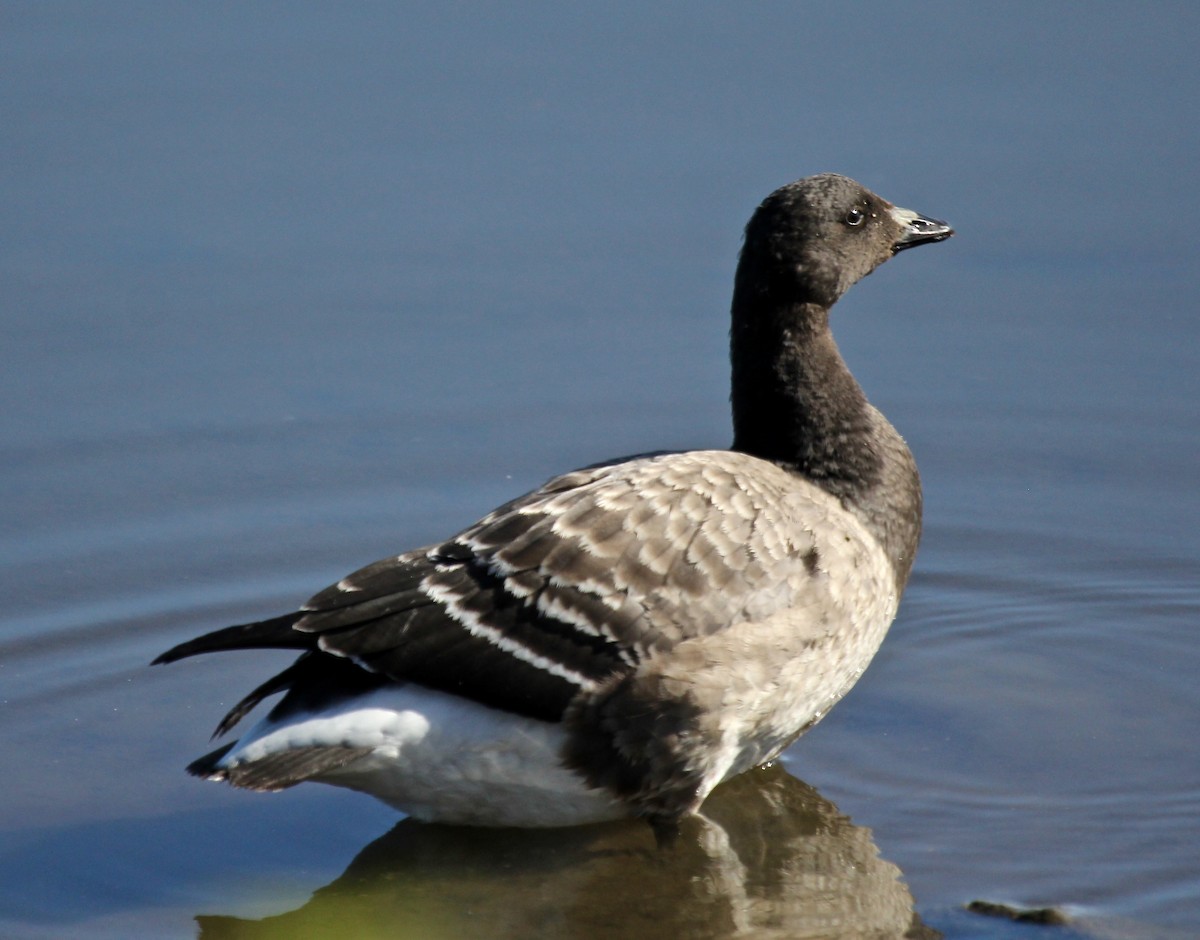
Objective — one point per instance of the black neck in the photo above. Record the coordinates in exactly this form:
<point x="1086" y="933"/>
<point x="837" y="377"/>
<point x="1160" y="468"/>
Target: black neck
<point x="794" y="400"/>
<point x="796" y="404"/>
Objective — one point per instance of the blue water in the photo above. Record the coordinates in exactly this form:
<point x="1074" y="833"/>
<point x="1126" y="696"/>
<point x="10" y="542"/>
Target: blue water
<point x="285" y="288"/>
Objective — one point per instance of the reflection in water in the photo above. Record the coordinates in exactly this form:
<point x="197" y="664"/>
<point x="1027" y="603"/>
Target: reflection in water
<point x="770" y="858"/>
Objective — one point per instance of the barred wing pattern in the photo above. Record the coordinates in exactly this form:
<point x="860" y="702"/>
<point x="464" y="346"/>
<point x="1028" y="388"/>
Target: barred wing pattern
<point x="579" y="581"/>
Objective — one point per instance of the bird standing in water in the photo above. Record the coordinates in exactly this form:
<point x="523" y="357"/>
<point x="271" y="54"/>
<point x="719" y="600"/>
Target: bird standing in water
<point x="622" y="639"/>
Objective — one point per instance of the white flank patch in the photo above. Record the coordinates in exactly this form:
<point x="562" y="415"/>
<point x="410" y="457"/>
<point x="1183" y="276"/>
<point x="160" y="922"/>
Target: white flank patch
<point x="441" y="758"/>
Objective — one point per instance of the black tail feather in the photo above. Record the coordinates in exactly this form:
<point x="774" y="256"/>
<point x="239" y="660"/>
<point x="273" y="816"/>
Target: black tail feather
<point x="277" y="771"/>
<point x="206" y="766"/>
<point x="276" y="633"/>
<point x="277" y="683"/>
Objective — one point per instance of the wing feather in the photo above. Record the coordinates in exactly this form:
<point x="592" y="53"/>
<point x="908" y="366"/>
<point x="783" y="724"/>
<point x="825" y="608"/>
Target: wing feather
<point x="565" y="588"/>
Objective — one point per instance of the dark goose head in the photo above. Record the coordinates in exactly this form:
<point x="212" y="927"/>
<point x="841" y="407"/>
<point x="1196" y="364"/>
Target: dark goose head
<point x="794" y="400"/>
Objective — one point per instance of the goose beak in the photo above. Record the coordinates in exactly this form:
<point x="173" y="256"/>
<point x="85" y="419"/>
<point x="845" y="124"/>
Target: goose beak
<point x="917" y="229"/>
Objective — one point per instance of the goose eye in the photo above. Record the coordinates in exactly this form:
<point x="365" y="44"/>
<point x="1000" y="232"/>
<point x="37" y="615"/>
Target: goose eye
<point x="855" y="217"/>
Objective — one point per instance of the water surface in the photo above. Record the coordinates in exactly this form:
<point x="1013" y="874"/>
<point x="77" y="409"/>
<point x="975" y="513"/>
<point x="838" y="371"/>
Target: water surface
<point x="285" y="290"/>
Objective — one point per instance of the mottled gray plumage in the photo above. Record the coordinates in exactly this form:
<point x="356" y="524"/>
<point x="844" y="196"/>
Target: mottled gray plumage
<point x="681" y="617"/>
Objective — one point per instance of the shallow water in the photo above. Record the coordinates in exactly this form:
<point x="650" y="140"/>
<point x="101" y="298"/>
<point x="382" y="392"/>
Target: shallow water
<point x="283" y="294"/>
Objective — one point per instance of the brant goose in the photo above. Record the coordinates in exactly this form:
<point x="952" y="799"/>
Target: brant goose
<point x="621" y="640"/>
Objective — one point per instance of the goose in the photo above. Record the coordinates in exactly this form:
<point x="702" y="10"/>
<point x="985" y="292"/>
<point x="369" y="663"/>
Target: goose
<point x="625" y="637"/>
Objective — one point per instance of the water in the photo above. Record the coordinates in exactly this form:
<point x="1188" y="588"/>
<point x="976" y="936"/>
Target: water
<point x="286" y="289"/>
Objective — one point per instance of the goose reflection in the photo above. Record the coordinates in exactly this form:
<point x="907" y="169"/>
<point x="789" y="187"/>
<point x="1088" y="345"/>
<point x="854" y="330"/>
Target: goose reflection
<point x="770" y="857"/>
